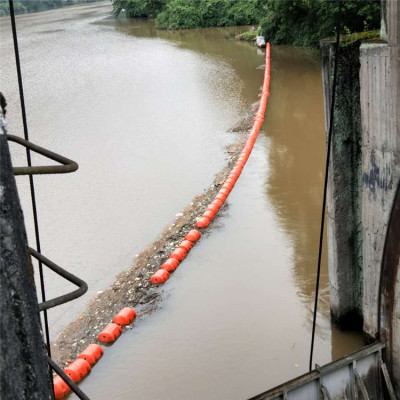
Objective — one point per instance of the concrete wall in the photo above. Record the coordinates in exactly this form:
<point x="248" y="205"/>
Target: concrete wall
<point x="380" y="116"/>
<point x="23" y="367"/>
<point x="344" y="185"/>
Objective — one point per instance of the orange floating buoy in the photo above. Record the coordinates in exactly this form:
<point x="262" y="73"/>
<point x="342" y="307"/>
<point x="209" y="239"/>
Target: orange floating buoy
<point x="170" y="265"/>
<point x="61" y="389"/>
<point x="230" y="180"/>
<point x="213" y="208"/>
<point x="125" y="316"/>
<point x="77" y="370"/>
<point x="179" y="253"/>
<point x="221" y="196"/>
<point x="209" y="214"/>
<point x="225" y="190"/>
<point x="92" y="353"/>
<point x="193" y="235"/>
<point x="217" y="202"/>
<point x="186" y="245"/>
<point x="159" y="277"/>
<point x="110" y="333"/>
<point x="228" y="185"/>
<point x="203" y="222"/>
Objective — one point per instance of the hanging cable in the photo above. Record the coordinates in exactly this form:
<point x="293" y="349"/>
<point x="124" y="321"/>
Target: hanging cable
<point x="28" y="156"/>
<point x="328" y="156"/>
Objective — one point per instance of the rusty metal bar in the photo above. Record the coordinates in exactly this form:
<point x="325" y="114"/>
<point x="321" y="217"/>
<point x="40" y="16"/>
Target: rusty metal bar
<point x="388" y="382"/>
<point x="82" y="286"/>
<point x="66" y="166"/>
<point x="361" y="385"/>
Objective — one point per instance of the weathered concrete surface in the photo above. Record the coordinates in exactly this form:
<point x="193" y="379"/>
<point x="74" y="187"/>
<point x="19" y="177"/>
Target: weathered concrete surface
<point x="380" y="115"/>
<point x="389" y="321"/>
<point x="23" y="367"/>
<point x="344" y="185"/>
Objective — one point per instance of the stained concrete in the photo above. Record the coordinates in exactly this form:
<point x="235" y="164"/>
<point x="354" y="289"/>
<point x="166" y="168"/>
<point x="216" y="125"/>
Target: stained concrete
<point x="344" y="185"/>
<point x="380" y="112"/>
<point x="23" y="367"/>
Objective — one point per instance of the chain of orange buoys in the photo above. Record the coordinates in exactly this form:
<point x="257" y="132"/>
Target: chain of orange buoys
<point x="182" y="250"/>
<point x="79" y="368"/>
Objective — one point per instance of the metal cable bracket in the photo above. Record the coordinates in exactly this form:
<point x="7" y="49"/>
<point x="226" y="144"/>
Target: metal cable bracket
<point x="66" y="166"/>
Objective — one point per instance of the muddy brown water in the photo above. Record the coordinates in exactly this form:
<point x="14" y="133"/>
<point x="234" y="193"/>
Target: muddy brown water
<point x="146" y="115"/>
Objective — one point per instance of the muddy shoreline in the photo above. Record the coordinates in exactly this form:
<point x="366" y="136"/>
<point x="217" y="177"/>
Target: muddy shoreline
<point x="132" y="287"/>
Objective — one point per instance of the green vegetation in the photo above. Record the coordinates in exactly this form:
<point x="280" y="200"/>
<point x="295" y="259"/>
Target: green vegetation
<point x="31" y="6"/>
<point x="249" y="36"/>
<point x="297" y="22"/>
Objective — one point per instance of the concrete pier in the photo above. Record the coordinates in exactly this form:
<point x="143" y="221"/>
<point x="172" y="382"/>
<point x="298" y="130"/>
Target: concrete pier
<point x="344" y="185"/>
<point x="380" y="121"/>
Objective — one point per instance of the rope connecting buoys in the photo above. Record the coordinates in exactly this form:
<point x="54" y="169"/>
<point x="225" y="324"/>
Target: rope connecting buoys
<point x="92" y="353"/>
<point x="78" y="370"/>
<point x="110" y="333"/>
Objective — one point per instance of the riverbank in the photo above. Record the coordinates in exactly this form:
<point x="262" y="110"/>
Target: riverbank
<point x="132" y="287"/>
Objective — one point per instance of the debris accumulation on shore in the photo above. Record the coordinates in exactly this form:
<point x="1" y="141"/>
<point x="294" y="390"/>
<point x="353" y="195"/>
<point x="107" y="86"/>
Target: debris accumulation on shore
<point x="132" y="287"/>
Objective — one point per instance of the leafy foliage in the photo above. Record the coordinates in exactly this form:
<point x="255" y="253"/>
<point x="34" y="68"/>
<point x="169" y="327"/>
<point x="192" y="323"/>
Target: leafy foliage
<point x="305" y="22"/>
<point x="184" y="14"/>
<point x="298" y="22"/>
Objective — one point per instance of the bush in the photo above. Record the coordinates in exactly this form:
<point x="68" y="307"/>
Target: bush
<point x="186" y="14"/>
<point x="306" y="22"/>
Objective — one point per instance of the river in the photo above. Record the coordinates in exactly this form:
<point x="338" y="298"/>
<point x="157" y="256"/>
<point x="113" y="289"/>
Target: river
<point x="146" y="115"/>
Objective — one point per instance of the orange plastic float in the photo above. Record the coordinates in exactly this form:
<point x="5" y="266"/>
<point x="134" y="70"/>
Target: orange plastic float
<point x="125" y="316"/>
<point x="61" y="389"/>
<point x="92" y="353"/>
<point x="218" y="202"/>
<point x="179" y="253"/>
<point x="77" y="370"/>
<point x="170" y="265"/>
<point x="209" y="214"/>
<point x="160" y="276"/>
<point x="186" y="245"/>
<point x="221" y="196"/>
<point x="203" y="222"/>
<point x="193" y="235"/>
<point x="110" y="333"/>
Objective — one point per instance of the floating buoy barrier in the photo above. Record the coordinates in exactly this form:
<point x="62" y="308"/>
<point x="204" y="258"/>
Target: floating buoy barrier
<point x="193" y="235"/>
<point x="61" y="389"/>
<point x="246" y="151"/>
<point x="179" y="254"/>
<point x="170" y="265"/>
<point x="78" y="370"/>
<point x="186" y="245"/>
<point x="160" y="277"/>
<point x="92" y="353"/>
<point x="110" y="333"/>
<point x="209" y="214"/>
<point x="125" y="316"/>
